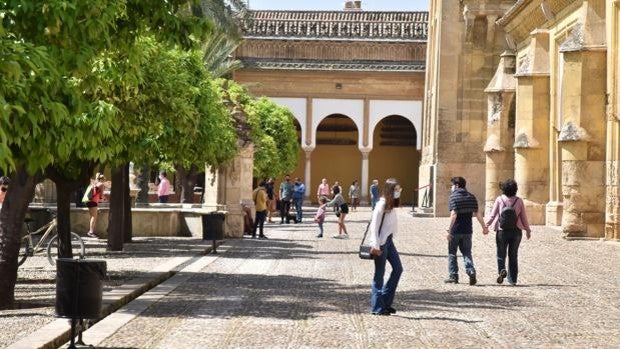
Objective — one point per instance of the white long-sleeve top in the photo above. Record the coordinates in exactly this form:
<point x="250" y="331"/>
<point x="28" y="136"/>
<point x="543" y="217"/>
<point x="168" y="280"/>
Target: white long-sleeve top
<point x="390" y="225"/>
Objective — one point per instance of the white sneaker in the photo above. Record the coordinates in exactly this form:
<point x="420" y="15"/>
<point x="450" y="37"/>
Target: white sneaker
<point x="338" y="236"/>
<point x="344" y="236"/>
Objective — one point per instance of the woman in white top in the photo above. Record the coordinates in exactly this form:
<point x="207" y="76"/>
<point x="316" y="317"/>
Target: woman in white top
<point x="383" y="226"/>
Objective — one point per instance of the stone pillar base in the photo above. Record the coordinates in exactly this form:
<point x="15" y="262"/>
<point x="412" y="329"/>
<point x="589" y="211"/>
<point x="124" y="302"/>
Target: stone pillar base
<point x="554" y="210"/>
<point x="612" y="231"/>
<point x="234" y="222"/>
<point x="535" y="212"/>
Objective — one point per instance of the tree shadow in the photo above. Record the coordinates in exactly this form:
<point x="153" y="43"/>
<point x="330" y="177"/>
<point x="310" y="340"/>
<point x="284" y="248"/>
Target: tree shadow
<point x="218" y="295"/>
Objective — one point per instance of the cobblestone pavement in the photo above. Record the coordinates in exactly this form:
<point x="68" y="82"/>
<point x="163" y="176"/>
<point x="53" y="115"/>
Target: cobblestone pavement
<point x="35" y="290"/>
<point x="297" y="291"/>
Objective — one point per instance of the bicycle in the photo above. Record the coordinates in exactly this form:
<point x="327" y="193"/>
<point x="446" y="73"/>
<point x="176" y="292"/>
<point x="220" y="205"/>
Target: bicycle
<point x="28" y="248"/>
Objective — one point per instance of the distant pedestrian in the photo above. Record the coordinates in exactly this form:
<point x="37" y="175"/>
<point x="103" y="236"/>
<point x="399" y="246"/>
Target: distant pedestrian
<point x="323" y="190"/>
<point x="319" y="218"/>
<point x="286" y="195"/>
<point x="354" y="195"/>
<point x="299" y="191"/>
<point x="271" y="203"/>
<point x="95" y="194"/>
<point x="383" y="227"/>
<point x="4" y="186"/>
<point x="463" y="205"/>
<point x="336" y="189"/>
<point x="163" y="189"/>
<point x="342" y="209"/>
<point x="260" y="203"/>
<point x="374" y="193"/>
<point x="508" y="219"/>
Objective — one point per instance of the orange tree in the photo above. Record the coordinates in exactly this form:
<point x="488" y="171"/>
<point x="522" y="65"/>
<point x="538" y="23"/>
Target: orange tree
<point x="51" y="124"/>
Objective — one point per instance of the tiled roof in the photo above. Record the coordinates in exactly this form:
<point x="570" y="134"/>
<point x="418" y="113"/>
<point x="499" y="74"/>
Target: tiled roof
<point x="337" y="25"/>
<point x="300" y="64"/>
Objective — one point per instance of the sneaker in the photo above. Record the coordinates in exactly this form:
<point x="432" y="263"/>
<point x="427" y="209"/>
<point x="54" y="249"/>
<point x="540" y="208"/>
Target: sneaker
<point x="262" y="237"/>
<point x="451" y="280"/>
<point x="319" y="236"/>
<point x="391" y="310"/>
<point x="337" y="236"/>
<point x="502" y="275"/>
<point x="344" y="236"/>
<point x="92" y="235"/>
<point x="472" y="279"/>
<point x="384" y="312"/>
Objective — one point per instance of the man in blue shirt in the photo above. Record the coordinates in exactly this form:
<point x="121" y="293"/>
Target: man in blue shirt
<point x="299" y="190"/>
<point x="374" y="193"/>
<point x="463" y="206"/>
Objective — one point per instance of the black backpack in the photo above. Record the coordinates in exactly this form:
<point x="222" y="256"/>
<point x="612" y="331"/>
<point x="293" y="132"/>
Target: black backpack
<point x="508" y="216"/>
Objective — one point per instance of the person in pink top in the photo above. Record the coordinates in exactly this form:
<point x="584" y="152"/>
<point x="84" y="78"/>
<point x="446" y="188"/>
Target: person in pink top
<point x="323" y="190"/>
<point x="97" y="188"/>
<point x="508" y="219"/>
<point x="319" y="217"/>
<point x="163" y="190"/>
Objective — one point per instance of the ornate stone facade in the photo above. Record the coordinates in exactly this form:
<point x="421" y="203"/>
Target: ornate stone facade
<point x="565" y="148"/>
<point x="354" y="81"/>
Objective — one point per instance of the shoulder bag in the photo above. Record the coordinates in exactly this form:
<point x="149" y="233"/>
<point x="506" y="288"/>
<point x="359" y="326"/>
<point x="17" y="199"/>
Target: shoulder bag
<point x="365" y="249"/>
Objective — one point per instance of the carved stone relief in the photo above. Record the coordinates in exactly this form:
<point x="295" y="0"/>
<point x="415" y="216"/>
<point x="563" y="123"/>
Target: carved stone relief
<point x="575" y="40"/>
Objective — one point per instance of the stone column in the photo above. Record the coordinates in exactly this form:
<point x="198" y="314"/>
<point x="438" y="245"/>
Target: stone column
<point x="307" y="175"/>
<point x="612" y="216"/>
<point x="582" y="137"/>
<point x="365" y="173"/>
<point x="230" y="188"/>
<point x="500" y="128"/>
<point x="532" y="128"/>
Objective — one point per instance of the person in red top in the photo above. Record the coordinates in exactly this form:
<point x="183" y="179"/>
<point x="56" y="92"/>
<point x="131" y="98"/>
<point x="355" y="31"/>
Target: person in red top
<point x="93" y="203"/>
<point x="508" y="238"/>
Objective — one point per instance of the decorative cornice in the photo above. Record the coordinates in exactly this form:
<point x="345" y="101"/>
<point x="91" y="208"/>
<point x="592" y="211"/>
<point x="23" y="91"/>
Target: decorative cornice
<point x="571" y="132"/>
<point x="337" y="25"/>
<point x="384" y="66"/>
<point x="575" y="40"/>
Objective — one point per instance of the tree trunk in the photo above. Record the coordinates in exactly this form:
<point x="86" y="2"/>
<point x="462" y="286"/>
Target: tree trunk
<point x="119" y="226"/>
<point x="65" y="186"/>
<point x="128" y="235"/>
<point x="12" y="214"/>
<point x="143" y="183"/>
<point x="188" y="182"/>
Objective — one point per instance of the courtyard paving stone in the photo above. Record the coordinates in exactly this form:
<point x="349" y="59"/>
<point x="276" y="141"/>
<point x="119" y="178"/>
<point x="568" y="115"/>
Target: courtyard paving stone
<point x="298" y="291"/>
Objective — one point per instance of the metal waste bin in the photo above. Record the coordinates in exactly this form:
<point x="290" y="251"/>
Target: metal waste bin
<point x="213" y="227"/>
<point x="79" y="288"/>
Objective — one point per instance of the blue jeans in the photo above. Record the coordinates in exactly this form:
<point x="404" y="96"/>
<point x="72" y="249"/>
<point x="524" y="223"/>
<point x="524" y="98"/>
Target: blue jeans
<point x="298" y="211"/>
<point x="320" y="228"/>
<point x="382" y="296"/>
<point x="163" y="199"/>
<point x="508" y="240"/>
<point x="373" y="202"/>
<point x="259" y="222"/>
<point x="463" y="243"/>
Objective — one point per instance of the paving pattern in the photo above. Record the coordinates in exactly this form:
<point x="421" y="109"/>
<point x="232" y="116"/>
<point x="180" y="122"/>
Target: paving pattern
<point x="298" y="291"/>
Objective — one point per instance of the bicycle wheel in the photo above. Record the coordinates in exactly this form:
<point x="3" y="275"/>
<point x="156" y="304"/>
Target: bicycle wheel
<point x="25" y="249"/>
<point x="77" y="246"/>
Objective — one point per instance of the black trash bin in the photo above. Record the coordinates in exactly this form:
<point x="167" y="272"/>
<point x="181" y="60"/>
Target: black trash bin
<point x="79" y="288"/>
<point x="213" y="227"/>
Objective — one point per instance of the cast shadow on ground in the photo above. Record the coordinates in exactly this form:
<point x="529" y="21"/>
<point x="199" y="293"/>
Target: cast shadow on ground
<point x="218" y="295"/>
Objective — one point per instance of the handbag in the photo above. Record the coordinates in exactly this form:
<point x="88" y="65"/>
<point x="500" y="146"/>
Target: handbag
<point x="364" y="252"/>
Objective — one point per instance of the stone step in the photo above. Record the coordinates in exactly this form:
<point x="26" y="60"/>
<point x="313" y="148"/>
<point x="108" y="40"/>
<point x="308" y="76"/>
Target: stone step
<point x="424" y="212"/>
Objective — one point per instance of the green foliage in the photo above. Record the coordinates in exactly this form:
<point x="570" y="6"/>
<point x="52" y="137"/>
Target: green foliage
<point x="275" y="136"/>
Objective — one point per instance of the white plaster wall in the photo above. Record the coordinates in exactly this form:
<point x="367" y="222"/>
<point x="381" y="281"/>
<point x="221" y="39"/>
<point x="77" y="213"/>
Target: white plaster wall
<point x="298" y="108"/>
<point x="410" y="110"/>
<point x="323" y="107"/>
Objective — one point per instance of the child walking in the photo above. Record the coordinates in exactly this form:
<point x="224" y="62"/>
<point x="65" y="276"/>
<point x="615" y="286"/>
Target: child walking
<point x="319" y="218"/>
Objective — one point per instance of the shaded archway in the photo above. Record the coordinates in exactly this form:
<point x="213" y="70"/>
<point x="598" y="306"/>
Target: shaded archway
<point x="395" y="155"/>
<point x="336" y="156"/>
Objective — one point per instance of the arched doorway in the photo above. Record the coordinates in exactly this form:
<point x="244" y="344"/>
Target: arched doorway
<point x="336" y="156"/>
<point x="395" y="155"/>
